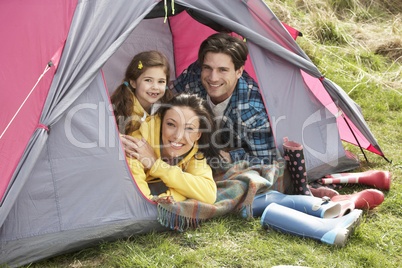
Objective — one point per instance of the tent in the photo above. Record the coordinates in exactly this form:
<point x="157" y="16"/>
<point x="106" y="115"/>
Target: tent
<point x="64" y="181"/>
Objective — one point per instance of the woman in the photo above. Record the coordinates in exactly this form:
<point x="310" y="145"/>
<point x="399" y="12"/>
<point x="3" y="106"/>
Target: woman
<point x="172" y="151"/>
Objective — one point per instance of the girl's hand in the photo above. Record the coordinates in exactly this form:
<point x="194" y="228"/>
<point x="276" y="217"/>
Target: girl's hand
<point x="141" y="150"/>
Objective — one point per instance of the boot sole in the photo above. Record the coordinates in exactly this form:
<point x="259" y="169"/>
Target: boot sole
<point x="343" y="235"/>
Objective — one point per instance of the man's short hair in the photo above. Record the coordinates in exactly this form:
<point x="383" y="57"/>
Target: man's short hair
<point x="232" y="46"/>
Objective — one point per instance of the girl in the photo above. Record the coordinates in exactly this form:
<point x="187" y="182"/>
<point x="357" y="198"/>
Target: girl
<point x="143" y="88"/>
<point x="172" y="149"/>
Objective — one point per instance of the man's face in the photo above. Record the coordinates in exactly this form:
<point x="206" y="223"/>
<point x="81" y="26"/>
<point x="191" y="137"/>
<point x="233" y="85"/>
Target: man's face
<point x="218" y="76"/>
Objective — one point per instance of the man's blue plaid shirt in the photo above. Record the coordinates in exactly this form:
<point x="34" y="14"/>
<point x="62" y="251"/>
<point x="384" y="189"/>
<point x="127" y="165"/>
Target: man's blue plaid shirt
<point x="245" y="126"/>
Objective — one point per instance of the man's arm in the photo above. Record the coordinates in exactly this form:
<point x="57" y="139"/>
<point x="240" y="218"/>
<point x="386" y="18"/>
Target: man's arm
<point x="258" y="143"/>
<point x="255" y="131"/>
<point x="179" y="85"/>
<point x="189" y="78"/>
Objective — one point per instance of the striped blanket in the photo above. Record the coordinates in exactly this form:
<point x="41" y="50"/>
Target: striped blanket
<point x="236" y="190"/>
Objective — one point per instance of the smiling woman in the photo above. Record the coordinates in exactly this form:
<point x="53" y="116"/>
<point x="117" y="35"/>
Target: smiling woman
<point x="172" y="151"/>
<point x="180" y="130"/>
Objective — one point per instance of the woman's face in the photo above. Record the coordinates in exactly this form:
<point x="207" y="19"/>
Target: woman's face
<point x="150" y="86"/>
<point x="180" y="129"/>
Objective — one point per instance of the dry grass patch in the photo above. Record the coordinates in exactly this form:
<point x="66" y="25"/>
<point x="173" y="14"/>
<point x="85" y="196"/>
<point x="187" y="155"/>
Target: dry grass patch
<point x="393" y="6"/>
<point x="391" y="49"/>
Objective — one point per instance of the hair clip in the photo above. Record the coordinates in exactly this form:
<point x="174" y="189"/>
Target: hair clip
<point x="140" y="65"/>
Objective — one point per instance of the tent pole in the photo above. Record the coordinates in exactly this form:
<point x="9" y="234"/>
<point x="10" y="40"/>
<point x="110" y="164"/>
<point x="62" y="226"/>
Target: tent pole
<point x="361" y="149"/>
<point x="389" y="161"/>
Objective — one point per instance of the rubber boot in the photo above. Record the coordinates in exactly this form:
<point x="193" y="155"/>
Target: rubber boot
<point x="347" y="206"/>
<point x="318" y="183"/>
<point x="376" y="178"/>
<point x="319" y="207"/>
<point x="293" y="154"/>
<point x="366" y="199"/>
<point x="323" y="191"/>
<point x="335" y="231"/>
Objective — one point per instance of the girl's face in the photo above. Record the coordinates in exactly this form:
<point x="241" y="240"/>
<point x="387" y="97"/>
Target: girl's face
<point x="150" y="86"/>
<point x="180" y="129"/>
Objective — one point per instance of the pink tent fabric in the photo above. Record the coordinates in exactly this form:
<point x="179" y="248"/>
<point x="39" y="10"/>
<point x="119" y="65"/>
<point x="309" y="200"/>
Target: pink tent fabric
<point x="346" y="134"/>
<point x="293" y="32"/>
<point x="44" y="26"/>
<point x="183" y="28"/>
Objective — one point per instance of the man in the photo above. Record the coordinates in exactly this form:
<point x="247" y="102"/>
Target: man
<point x="244" y="131"/>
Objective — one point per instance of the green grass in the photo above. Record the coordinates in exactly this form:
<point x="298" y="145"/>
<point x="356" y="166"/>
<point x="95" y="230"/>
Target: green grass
<point x="351" y="43"/>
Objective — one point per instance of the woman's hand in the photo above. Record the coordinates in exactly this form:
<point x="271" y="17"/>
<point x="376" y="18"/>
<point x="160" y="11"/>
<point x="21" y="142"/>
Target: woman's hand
<point x="140" y="149"/>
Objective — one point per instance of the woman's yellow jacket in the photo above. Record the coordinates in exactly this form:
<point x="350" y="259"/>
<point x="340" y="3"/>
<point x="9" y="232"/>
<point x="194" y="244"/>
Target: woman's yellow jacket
<point x="191" y="178"/>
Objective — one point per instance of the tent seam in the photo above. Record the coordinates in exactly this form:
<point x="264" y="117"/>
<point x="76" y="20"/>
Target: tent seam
<point x="56" y="196"/>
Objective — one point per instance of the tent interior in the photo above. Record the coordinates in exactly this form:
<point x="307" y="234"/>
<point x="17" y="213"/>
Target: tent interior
<point x="179" y="38"/>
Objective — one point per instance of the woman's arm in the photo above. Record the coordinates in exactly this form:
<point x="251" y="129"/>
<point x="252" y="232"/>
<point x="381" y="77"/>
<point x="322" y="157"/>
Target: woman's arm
<point x="195" y="182"/>
<point x="137" y="170"/>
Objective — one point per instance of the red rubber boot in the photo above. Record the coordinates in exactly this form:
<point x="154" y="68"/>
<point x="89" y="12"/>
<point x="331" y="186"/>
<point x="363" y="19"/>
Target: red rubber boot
<point x="376" y="178"/>
<point x="367" y="199"/>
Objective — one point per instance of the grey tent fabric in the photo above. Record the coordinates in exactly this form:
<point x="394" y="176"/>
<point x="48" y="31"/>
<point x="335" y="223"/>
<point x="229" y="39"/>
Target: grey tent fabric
<point x="138" y="41"/>
<point x="291" y="118"/>
<point x="22" y="171"/>
<point x="26" y="250"/>
<point x="80" y="188"/>
<point x="90" y="43"/>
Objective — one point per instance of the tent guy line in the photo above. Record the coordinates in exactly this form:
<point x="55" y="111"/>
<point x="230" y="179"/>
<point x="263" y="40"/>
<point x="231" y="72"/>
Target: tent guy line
<point x="47" y="68"/>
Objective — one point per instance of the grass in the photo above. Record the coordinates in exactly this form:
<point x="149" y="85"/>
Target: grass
<point x="356" y="44"/>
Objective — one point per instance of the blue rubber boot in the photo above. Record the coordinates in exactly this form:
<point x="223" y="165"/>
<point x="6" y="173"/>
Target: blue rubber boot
<point x="315" y="206"/>
<point x="333" y="231"/>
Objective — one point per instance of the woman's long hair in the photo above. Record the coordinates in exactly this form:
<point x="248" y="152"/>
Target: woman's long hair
<point x="122" y="98"/>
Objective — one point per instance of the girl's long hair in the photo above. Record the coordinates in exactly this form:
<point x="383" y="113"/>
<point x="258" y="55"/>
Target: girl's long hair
<point x="122" y="98"/>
